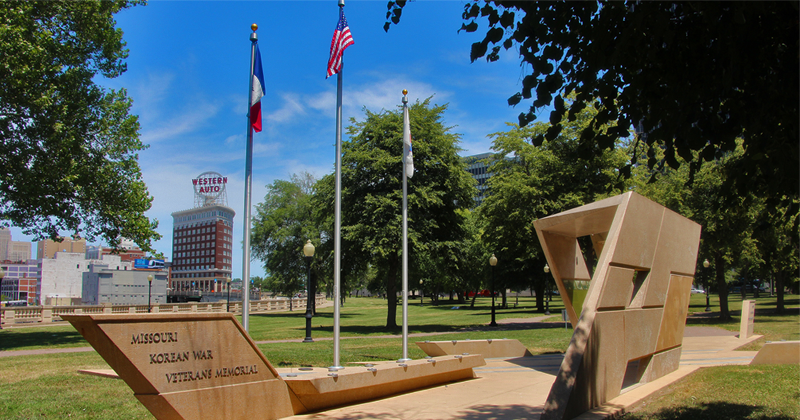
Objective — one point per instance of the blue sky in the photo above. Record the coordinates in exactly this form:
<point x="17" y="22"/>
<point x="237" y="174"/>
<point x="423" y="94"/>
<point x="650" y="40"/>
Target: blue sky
<point x="188" y="76"/>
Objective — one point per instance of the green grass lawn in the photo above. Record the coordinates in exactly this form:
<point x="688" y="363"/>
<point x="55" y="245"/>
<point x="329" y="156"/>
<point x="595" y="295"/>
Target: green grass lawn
<point x="358" y="317"/>
<point x="773" y="327"/>
<point x="48" y="386"/>
<point x="728" y="393"/>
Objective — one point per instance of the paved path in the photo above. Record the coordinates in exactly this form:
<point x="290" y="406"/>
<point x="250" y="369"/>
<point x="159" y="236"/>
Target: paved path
<point x="514" y="388"/>
<point x="517" y="388"/>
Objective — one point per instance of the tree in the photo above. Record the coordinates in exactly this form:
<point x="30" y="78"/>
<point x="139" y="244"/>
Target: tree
<point x="68" y="147"/>
<point x="727" y="224"/>
<point x="530" y="182"/>
<point x="775" y="231"/>
<point x="692" y="76"/>
<point x="372" y="192"/>
<point x="281" y="226"/>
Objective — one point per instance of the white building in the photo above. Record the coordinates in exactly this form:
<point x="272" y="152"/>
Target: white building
<point x="104" y="284"/>
<point x="61" y="278"/>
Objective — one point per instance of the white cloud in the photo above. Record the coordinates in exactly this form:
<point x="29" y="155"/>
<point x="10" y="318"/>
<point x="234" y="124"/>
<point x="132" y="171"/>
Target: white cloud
<point x="190" y="120"/>
<point x="234" y="140"/>
<point x="290" y="109"/>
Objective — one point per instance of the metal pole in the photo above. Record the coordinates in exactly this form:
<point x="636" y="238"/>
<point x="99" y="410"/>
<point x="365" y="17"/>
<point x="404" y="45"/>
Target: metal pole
<point x="705" y="281"/>
<point x="149" y="289"/>
<point x="248" y="190"/>
<point x="493" y="323"/>
<point x="337" y="236"/>
<point x="405" y="239"/>
<point x="308" y="303"/>
<point x="228" y="308"/>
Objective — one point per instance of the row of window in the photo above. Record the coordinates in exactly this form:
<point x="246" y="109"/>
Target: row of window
<point x="193" y="254"/>
<point x="215" y="213"/>
<point x="201" y="245"/>
<point x="201" y="238"/>
<point x="200" y="275"/>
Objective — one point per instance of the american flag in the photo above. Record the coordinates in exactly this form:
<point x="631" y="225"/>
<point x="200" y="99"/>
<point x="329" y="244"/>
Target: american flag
<point x="341" y="40"/>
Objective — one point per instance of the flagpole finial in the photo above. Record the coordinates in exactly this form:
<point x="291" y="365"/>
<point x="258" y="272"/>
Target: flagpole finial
<point x="405" y="92"/>
<point x="254" y="27"/>
<point x="341" y="3"/>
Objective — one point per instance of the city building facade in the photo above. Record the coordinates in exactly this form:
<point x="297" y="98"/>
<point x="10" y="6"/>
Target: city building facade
<point x="127" y="251"/>
<point x="202" y="246"/>
<point x="47" y="248"/>
<point x="20" y="280"/>
<point x="61" y="278"/>
<point x="478" y="167"/>
<point x="104" y="284"/>
<point x="11" y="250"/>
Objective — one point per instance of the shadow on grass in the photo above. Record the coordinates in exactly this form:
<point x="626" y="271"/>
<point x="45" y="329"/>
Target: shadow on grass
<point x="18" y="338"/>
<point x="710" y="411"/>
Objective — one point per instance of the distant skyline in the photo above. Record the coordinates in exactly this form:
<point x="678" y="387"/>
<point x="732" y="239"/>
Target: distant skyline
<point x="188" y="75"/>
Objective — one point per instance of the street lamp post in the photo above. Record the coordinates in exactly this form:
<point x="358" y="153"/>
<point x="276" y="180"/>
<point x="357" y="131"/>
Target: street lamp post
<point x="705" y="280"/>
<point x="2" y="274"/>
<point x="546" y="290"/>
<point x="308" y="251"/>
<point x="149" y="289"/>
<point x="228" y="283"/>
<point x="420" y="293"/>
<point x="492" y="262"/>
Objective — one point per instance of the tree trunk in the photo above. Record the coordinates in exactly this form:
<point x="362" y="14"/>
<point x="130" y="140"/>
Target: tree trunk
<point x="391" y="293"/>
<point x="505" y="298"/>
<point x="779" y="306"/>
<point x="475" y="296"/>
<point x="540" y="297"/>
<point x="722" y="288"/>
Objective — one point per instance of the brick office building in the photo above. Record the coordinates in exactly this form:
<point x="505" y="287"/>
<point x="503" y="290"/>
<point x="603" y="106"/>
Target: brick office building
<point x="202" y="239"/>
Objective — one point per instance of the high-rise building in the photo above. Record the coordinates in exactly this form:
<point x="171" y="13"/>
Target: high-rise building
<point x="202" y="238"/>
<point x="478" y="167"/>
<point x="47" y="248"/>
<point x="14" y="251"/>
<point x="19" y="251"/>
<point x="5" y="242"/>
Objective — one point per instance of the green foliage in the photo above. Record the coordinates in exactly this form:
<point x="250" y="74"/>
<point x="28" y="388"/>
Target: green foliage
<point x="531" y="182"/>
<point x="372" y="194"/>
<point x="68" y="147"/>
<point x="281" y="226"/>
<point x="692" y="76"/>
<point x="745" y="235"/>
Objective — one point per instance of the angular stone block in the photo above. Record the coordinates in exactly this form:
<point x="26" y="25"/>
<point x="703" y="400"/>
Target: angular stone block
<point x="748" y="318"/>
<point x="778" y="353"/>
<point x="631" y="325"/>
<point x="486" y="348"/>
<point x="179" y="364"/>
<point x="205" y="366"/>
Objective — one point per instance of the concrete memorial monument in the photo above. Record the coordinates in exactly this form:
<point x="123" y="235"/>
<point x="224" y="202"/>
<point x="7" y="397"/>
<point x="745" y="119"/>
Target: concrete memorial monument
<point x="205" y="366"/>
<point x="748" y="318"/>
<point x="188" y="366"/>
<point x="633" y="307"/>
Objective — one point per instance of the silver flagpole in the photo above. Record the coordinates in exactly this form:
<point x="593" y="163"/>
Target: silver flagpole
<point x="337" y="241"/>
<point x="248" y="190"/>
<point x="405" y="233"/>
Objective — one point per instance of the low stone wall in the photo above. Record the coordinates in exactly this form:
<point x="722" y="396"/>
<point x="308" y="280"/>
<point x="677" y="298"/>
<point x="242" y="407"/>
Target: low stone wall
<point x="49" y="314"/>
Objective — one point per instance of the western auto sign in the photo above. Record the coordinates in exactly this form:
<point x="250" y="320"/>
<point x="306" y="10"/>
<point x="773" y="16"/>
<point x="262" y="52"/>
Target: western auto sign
<point x="209" y="184"/>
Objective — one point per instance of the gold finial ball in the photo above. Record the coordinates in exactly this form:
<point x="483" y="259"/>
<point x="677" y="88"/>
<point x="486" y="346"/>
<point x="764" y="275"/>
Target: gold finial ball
<point x="405" y="92"/>
<point x="254" y="27"/>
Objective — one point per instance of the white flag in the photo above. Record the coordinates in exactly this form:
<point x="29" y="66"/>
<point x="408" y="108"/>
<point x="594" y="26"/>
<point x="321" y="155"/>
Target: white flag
<point x="408" y="155"/>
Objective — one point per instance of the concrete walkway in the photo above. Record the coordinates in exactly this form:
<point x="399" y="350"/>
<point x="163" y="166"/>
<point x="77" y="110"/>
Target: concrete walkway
<point x="517" y="388"/>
